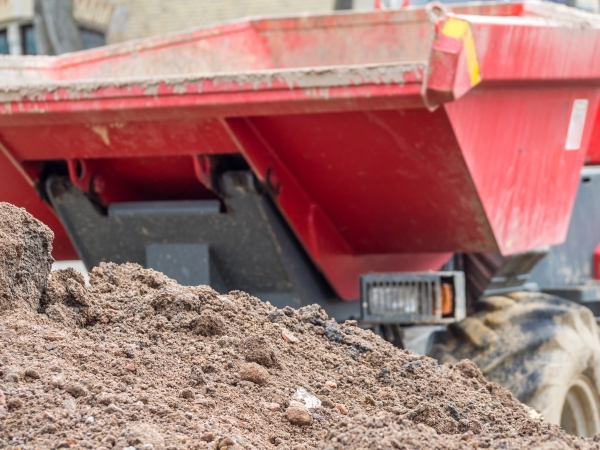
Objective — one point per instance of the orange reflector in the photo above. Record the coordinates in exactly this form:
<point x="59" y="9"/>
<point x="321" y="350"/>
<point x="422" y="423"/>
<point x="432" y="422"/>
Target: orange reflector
<point x="447" y="300"/>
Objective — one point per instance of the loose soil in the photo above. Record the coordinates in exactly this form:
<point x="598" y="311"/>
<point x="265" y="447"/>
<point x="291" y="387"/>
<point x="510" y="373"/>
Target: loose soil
<point x="135" y="360"/>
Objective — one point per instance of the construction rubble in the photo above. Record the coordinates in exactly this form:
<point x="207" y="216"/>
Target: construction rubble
<point x="133" y="360"/>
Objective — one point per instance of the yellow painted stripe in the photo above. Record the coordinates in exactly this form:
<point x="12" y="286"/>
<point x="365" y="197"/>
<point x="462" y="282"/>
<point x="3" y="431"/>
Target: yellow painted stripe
<point x="460" y="29"/>
<point x="455" y="28"/>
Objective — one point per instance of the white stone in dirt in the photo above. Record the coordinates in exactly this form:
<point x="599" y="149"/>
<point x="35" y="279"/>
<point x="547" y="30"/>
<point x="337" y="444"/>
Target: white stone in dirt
<point x="309" y="400"/>
<point x="535" y="415"/>
<point x="288" y="336"/>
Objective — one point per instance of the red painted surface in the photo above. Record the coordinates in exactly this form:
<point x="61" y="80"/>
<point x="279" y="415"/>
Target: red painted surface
<point x="593" y="152"/>
<point x="371" y="175"/>
<point x="597" y="262"/>
<point x="15" y="189"/>
<point x="513" y="141"/>
<point x="388" y="180"/>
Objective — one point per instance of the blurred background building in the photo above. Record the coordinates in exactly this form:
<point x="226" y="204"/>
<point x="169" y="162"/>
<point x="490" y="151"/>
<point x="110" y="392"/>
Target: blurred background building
<point x="109" y="21"/>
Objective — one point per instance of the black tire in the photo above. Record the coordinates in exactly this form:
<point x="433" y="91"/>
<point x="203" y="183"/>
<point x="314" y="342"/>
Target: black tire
<point x="542" y="348"/>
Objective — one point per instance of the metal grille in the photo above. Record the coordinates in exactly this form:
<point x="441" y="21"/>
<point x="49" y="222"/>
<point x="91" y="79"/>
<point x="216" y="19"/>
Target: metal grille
<point x="411" y="298"/>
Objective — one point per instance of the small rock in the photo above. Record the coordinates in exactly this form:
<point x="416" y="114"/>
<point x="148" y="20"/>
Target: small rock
<point x="129" y="448"/>
<point x="341" y="408"/>
<point x="113" y="409"/>
<point x="332" y="332"/>
<point x="255" y="373"/>
<point x="385" y="372"/>
<point x="105" y="398"/>
<point x="90" y="420"/>
<point x="246" y="384"/>
<point x="76" y="390"/>
<point x="257" y="350"/>
<point x="104" y="319"/>
<point x="275" y="316"/>
<point x="63" y="444"/>
<point x="331" y="384"/>
<point x="208" y="436"/>
<point x="69" y="403"/>
<point x="411" y="365"/>
<point x="12" y="377"/>
<point x="288" y="336"/>
<point x="298" y="414"/>
<point x="271" y="406"/>
<point x="52" y="337"/>
<point x="58" y="381"/>
<point x="467" y="436"/>
<point x="187" y="393"/>
<point x="326" y="402"/>
<point x="2" y="399"/>
<point x="144" y="436"/>
<point x="32" y="373"/>
<point x="14" y="403"/>
<point x="130" y="367"/>
<point x="127" y="379"/>
<point x="454" y="412"/>
<point x="226" y="443"/>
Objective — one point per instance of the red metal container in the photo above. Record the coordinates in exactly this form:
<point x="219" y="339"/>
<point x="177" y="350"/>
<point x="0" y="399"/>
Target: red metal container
<point x="388" y="139"/>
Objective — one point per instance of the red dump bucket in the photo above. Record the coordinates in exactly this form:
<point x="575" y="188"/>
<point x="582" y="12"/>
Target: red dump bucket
<point x="388" y="139"/>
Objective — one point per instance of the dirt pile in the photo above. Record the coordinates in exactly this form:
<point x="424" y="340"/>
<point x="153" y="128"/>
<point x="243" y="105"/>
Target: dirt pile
<point x="136" y="360"/>
<point x="386" y="432"/>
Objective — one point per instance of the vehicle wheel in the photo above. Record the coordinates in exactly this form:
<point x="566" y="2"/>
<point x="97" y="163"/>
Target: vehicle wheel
<point x="542" y="348"/>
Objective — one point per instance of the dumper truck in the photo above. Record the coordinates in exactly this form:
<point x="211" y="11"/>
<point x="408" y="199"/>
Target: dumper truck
<point x="431" y="172"/>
